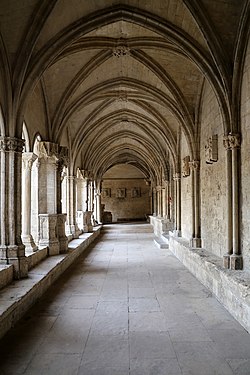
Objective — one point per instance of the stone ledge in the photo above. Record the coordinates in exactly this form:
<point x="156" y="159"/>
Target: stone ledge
<point x="6" y="275"/>
<point x="20" y="295"/>
<point x="36" y="257"/>
<point x="231" y="288"/>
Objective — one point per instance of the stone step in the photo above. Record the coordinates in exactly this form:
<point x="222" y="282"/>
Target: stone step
<point x="160" y="243"/>
<point x="165" y="237"/>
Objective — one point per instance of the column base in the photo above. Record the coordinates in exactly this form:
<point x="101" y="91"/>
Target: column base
<point x="196" y="243"/>
<point x="236" y="262"/>
<point x="177" y="233"/>
<point x="226" y="261"/>
<point x="15" y="255"/>
<point x="62" y="238"/>
<point x="29" y="243"/>
<point x="48" y="233"/>
<point x="72" y="230"/>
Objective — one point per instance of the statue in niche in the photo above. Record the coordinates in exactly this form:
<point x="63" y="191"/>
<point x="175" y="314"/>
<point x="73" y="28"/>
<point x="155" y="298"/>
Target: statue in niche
<point x="135" y="192"/>
<point x="211" y="149"/>
<point x="185" y="166"/>
<point x="106" y="193"/>
<point x="120" y="193"/>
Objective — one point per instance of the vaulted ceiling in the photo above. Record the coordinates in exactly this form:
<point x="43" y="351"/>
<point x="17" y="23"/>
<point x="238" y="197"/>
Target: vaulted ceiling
<point x="120" y="79"/>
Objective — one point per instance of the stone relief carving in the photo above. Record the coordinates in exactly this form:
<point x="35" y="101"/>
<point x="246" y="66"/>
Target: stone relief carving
<point x="135" y="192"/>
<point x="120" y="193"/>
<point x="106" y="193"/>
<point x="11" y="144"/>
<point x="185" y="166"/>
<point x="211" y="149"/>
<point x="231" y="141"/>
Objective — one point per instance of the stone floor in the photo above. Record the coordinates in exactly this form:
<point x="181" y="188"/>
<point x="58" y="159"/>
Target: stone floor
<point x="126" y="308"/>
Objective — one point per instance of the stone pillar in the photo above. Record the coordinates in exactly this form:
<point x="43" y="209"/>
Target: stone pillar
<point x="63" y="161"/>
<point x="71" y="227"/>
<point x="87" y="222"/>
<point x="47" y="233"/>
<point x="98" y="203"/>
<point x="195" y="168"/>
<point x="47" y="177"/>
<point x="12" y="250"/>
<point x="28" y="159"/>
<point x="177" y="179"/>
<point x="226" y="257"/>
<point x="61" y="235"/>
<point x="154" y="201"/>
<point x="232" y="145"/>
<point x="48" y="158"/>
<point x="158" y="194"/>
<point x="164" y="208"/>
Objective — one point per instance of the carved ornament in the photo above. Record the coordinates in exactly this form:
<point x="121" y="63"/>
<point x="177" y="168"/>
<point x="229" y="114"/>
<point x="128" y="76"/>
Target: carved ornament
<point x="185" y="166"/>
<point x="231" y="141"/>
<point x="11" y="144"/>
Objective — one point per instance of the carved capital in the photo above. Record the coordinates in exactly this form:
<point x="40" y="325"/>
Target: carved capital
<point x="47" y="150"/>
<point x="8" y="144"/>
<point x="28" y="159"/>
<point x="194" y="165"/>
<point x="231" y="141"/>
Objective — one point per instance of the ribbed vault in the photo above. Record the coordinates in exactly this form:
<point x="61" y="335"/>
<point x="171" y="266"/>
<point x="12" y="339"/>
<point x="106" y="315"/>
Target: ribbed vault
<point x="119" y="83"/>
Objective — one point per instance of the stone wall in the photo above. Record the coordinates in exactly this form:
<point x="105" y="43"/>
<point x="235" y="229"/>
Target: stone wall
<point x="245" y="157"/>
<point x="128" y="207"/>
<point x="213" y="178"/>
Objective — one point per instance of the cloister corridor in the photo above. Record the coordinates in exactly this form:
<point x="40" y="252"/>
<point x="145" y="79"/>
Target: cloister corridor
<point x="126" y="307"/>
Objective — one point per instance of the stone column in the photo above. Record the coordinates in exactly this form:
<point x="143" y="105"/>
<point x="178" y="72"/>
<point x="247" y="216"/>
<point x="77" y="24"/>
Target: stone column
<point x="71" y="227"/>
<point x="233" y="258"/>
<point x="63" y="161"/>
<point x="177" y="179"/>
<point x="226" y="257"/>
<point x="27" y="158"/>
<point x="232" y="143"/>
<point x="195" y="168"/>
<point x="164" y="208"/>
<point x="12" y="250"/>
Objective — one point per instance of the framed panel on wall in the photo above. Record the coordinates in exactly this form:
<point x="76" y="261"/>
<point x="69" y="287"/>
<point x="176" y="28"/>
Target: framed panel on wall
<point x="121" y="193"/>
<point x="106" y="193"/>
<point x="136" y="192"/>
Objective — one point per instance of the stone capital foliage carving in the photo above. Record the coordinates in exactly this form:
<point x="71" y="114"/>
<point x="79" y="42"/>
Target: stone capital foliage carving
<point x="47" y="150"/>
<point x="28" y="159"/>
<point x="8" y="144"/>
<point x="231" y="141"/>
<point x="194" y="165"/>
